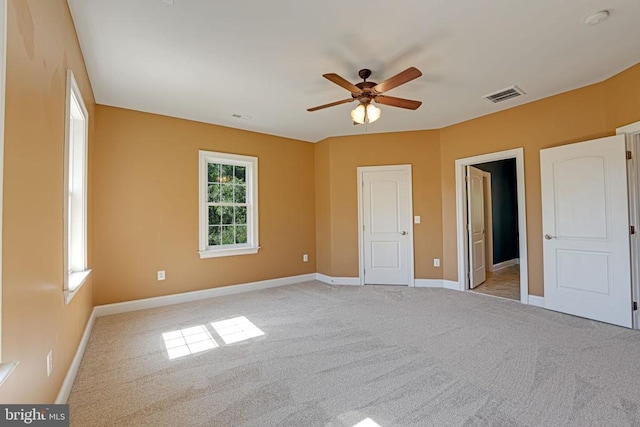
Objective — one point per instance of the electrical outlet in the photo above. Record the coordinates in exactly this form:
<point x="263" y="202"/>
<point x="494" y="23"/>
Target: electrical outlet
<point x="161" y="275"/>
<point x="305" y="257"/>
<point x="49" y="363"/>
<point x="436" y="262"/>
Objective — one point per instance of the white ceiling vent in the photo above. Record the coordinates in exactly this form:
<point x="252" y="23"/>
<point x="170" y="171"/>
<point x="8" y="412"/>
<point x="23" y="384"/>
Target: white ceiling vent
<point x="504" y="94"/>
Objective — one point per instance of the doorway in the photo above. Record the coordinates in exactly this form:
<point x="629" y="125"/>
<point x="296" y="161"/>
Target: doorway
<point x="501" y="275"/>
<point x="518" y="230"/>
<point x="385" y="225"/>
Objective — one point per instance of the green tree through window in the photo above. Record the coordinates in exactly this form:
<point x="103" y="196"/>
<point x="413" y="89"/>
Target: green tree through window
<point x="227" y="204"/>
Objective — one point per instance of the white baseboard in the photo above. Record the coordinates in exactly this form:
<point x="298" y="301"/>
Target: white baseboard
<point x="536" y="301"/>
<point x="67" y="384"/>
<point x="429" y="283"/>
<point x="451" y="284"/>
<point x="141" y="304"/>
<point x="505" y="264"/>
<point x="337" y="280"/>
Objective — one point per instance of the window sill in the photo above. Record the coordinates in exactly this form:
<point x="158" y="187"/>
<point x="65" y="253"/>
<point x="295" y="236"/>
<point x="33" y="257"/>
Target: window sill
<point x="76" y="280"/>
<point x="215" y="253"/>
<point x="6" y="369"/>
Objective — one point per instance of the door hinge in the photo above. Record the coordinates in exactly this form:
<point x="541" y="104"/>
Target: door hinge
<point x="635" y="306"/>
<point x="632" y="229"/>
<point x="629" y="155"/>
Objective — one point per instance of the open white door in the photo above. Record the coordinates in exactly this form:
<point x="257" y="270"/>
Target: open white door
<point x="387" y="224"/>
<point x="475" y="216"/>
<point x="585" y="223"/>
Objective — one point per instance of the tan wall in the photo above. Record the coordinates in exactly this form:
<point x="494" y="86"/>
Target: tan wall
<point x="591" y="112"/>
<point x="623" y="98"/>
<point x="145" y="186"/>
<point x="41" y="45"/>
<point x="422" y="151"/>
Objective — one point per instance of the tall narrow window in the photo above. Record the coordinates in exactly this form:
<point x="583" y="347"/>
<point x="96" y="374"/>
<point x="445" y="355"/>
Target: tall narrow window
<point x="228" y="204"/>
<point x="77" y="118"/>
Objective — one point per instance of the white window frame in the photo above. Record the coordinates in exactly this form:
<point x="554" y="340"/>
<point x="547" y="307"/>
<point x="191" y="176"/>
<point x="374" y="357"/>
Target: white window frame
<point x="75" y="201"/>
<point x="251" y="163"/>
<point x="6" y="367"/>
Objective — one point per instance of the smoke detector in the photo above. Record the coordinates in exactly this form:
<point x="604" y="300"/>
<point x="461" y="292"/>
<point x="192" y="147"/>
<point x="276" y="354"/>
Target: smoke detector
<point x="596" y="17"/>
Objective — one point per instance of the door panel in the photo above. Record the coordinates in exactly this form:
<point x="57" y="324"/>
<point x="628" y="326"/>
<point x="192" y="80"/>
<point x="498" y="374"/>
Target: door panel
<point x="384" y="206"/>
<point x="585" y="223"/>
<point x="387" y="227"/>
<point x="580" y="197"/>
<point x="475" y="204"/>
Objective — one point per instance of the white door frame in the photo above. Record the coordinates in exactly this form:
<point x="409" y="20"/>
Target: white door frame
<point x="633" y="174"/>
<point x="461" y="216"/>
<point x="3" y="65"/>
<point x="488" y="220"/>
<point x="361" y="170"/>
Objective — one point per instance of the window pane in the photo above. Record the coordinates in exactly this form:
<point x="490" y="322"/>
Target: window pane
<point x="240" y="194"/>
<point x="228" y="235"/>
<point x="215" y="215"/>
<point x="214" y="235"/>
<point x="214" y="192"/>
<point x="240" y="173"/>
<point x="241" y="215"/>
<point x="214" y="172"/>
<point x="227" y="173"/>
<point x="227" y="193"/>
<point x="241" y="234"/>
<point x="227" y="214"/>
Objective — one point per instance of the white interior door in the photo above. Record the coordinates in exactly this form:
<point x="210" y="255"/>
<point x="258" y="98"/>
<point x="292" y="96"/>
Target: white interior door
<point x="476" y="231"/>
<point x="585" y="223"/>
<point x="386" y="219"/>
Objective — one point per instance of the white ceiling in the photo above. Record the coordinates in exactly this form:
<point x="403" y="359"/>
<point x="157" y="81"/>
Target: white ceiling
<point x="205" y="60"/>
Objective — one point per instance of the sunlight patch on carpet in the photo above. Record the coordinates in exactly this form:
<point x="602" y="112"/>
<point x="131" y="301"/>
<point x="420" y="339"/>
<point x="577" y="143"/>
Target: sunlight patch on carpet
<point x="186" y="341"/>
<point x="367" y="422"/>
<point x="236" y="329"/>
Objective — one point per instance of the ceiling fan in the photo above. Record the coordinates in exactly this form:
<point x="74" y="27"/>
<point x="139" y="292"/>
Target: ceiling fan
<point x="367" y="92"/>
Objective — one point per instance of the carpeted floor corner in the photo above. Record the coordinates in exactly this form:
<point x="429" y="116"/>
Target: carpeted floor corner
<point x="312" y="354"/>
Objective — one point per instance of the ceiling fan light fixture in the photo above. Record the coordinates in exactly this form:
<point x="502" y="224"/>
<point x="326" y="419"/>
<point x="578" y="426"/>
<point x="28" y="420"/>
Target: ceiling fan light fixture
<point x="365" y="113"/>
<point x="358" y="114"/>
<point x="373" y="113"/>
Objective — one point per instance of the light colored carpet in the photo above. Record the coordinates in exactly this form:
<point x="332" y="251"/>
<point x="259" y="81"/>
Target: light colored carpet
<point x="366" y="356"/>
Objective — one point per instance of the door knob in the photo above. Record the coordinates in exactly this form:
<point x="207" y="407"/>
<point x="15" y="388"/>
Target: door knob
<point x="549" y="236"/>
<point x="404" y="233"/>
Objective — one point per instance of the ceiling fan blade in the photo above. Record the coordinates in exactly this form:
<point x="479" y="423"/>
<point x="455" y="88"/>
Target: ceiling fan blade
<point x="320" y="107"/>
<point x="397" y="80"/>
<point x="392" y="101"/>
<point x="342" y="82"/>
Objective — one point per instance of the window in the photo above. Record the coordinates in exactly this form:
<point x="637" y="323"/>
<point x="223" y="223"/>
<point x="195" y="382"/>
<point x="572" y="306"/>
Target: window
<point x="75" y="257"/>
<point x="228" y="204"/>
